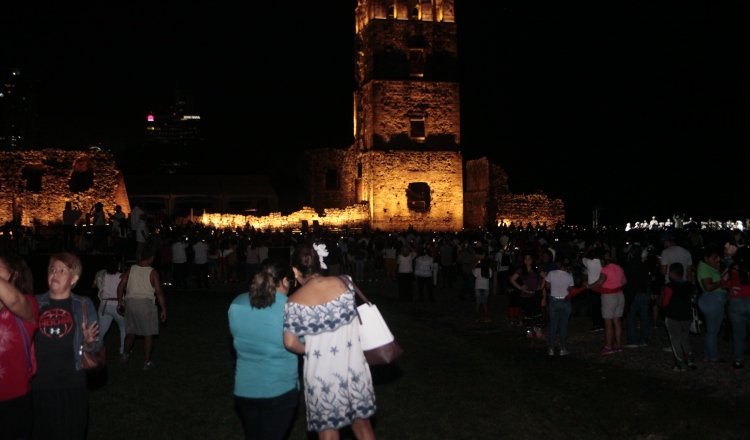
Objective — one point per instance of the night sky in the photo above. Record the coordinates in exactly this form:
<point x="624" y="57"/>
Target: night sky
<point x="639" y="110"/>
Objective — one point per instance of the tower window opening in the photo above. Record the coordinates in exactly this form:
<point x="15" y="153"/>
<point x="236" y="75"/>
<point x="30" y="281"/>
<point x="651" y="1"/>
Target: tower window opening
<point x="391" y="12"/>
<point x="359" y="170"/>
<point x="415" y="13"/>
<point x="417" y="129"/>
<point x="418" y="196"/>
<point x="332" y="179"/>
<point x="416" y="63"/>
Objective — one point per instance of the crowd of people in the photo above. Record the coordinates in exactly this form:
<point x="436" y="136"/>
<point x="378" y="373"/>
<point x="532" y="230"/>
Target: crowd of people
<point x="46" y="339"/>
<point x="627" y="282"/>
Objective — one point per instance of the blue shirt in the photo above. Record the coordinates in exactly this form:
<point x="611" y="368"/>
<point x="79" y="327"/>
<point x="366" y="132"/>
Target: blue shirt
<point x="265" y="368"/>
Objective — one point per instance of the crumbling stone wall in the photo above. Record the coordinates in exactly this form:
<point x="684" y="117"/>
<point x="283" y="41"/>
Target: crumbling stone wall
<point x="533" y="208"/>
<point x="488" y="199"/>
<point x="387" y="176"/>
<point x="355" y="216"/>
<point x="34" y="185"/>
<point x="317" y="165"/>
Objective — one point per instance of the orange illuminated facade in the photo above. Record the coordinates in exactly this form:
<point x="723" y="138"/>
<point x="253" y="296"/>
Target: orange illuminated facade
<point x="405" y="165"/>
<point x="35" y="185"/>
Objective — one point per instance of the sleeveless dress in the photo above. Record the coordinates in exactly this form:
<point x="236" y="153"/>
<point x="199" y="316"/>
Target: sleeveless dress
<point x="338" y="384"/>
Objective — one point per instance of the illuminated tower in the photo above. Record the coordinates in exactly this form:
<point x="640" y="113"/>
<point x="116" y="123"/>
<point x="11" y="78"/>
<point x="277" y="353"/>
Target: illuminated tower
<point x="407" y="97"/>
<point x="407" y="114"/>
<point x="405" y="163"/>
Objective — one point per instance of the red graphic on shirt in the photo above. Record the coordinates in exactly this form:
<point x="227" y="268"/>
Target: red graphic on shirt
<point x="56" y="323"/>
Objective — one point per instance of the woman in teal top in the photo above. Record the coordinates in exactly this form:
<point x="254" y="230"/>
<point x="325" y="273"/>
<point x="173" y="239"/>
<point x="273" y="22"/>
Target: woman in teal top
<point x="711" y="302"/>
<point x="266" y="383"/>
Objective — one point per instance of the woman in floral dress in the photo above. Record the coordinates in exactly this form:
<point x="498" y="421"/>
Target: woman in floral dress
<point x="338" y="384"/>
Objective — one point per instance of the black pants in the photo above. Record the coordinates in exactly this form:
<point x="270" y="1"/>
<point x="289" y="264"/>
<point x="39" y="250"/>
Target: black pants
<point x="267" y="419"/>
<point x="61" y="413"/>
<point x="531" y="307"/>
<point x="423" y="282"/>
<point x="449" y="274"/>
<point x="595" y="308"/>
<point x="179" y="274"/>
<point x="201" y="275"/>
<point x="405" y="286"/>
<point x="16" y="417"/>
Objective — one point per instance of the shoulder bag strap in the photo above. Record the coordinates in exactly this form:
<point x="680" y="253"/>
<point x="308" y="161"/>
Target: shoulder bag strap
<point x="26" y="340"/>
<point x="350" y="285"/>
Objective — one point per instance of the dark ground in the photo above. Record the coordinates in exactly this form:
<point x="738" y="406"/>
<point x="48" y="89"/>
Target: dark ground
<point x="457" y="379"/>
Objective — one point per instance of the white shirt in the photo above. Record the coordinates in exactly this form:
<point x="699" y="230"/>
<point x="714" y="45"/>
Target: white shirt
<point x="676" y="254"/>
<point x="593" y="269"/>
<point x="201" y="252"/>
<point x="479" y="282"/>
<point x="178" y="252"/>
<point x="404" y="262"/>
<point x="423" y="266"/>
<point x="559" y="281"/>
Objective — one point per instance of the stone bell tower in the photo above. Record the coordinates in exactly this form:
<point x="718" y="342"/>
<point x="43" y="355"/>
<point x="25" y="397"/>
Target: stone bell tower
<point x="405" y="164"/>
<point x="407" y="114"/>
<point x="407" y="97"/>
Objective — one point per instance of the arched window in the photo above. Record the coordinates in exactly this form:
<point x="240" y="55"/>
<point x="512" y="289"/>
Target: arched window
<point x="415" y="15"/>
<point x="391" y="11"/>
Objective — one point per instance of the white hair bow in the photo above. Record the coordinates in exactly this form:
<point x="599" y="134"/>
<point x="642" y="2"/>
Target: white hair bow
<point x="322" y="251"/>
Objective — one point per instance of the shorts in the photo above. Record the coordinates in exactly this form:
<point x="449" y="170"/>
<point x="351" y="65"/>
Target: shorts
<point x="613" y="305"/>
<point x="481" y="295"/>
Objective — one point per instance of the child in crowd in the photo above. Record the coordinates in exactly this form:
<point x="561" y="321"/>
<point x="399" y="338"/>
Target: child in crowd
<point x="482" y="274"/>
<point x="676" y="301"/>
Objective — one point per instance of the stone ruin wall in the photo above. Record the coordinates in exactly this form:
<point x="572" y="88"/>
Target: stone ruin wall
<point x="34" y="185"/>
<point x="488" y="199"/>
<point x="533" y="208"/>
<point x="387" y="176"/>
<point x="437" y="102"/>
<point x="354" y="216"/>
<point x="317" y="164"/>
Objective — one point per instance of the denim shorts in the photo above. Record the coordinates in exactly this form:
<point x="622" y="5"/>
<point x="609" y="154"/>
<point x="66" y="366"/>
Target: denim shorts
<point x="481" y="295"/>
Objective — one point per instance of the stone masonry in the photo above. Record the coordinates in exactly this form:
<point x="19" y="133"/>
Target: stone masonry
<point x="34" y="185"/>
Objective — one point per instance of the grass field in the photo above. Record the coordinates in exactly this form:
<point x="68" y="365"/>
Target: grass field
<point x="450" y="384"/>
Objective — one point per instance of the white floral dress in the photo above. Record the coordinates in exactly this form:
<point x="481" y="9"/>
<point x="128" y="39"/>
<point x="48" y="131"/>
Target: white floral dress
<point x="338" y="384"/>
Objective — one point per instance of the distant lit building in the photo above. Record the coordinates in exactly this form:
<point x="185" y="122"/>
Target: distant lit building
<point x="177" y="127"/>
<point x="18" y="116"/>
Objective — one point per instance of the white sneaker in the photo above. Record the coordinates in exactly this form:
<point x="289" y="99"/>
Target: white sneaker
<point x="551" y="352"/>
<point x="564" y="352"/>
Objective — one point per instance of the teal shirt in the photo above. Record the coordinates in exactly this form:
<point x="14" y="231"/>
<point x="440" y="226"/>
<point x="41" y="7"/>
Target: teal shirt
<point x="265" y="368"/>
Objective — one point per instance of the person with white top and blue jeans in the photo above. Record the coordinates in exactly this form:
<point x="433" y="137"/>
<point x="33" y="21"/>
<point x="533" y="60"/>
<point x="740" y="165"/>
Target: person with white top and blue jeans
<point x="557" y="283"/>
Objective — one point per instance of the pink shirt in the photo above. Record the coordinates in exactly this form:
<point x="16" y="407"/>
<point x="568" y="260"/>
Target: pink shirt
<point x="615" y="276"/>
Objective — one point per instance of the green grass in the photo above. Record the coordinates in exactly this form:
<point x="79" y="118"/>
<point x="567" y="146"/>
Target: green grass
<point x="451" y="383"/>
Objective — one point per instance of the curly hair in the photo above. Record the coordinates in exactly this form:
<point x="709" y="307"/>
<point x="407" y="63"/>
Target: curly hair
<point x="306" y="260"/>
<point x="20" y="274"/>
<point x="263" y="286"/>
